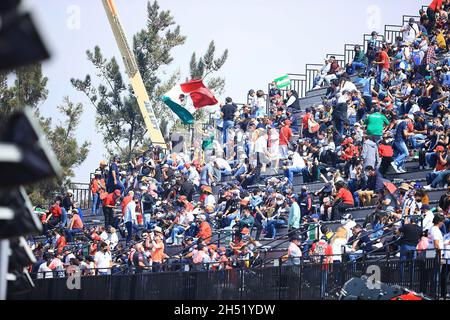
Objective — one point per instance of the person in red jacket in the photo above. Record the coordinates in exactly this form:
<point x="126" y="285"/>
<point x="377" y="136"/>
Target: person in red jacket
<point x="386" y="153"/>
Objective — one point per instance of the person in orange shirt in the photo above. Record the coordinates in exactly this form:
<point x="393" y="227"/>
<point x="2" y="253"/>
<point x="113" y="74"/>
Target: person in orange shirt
<point x="205" y="231"/>
<point x="157" y="247"/>
<point x="97" y="185"/>
<point x="61" y="242"/>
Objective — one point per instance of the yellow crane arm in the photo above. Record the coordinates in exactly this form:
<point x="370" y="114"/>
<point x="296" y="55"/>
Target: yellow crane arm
<point x="132" y="70"/>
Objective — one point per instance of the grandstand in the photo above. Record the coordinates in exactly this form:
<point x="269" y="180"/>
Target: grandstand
<point x="270" y="275"/>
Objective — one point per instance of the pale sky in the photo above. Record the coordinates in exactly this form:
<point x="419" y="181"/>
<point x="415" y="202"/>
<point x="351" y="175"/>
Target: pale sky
<point x="266" y="39"/>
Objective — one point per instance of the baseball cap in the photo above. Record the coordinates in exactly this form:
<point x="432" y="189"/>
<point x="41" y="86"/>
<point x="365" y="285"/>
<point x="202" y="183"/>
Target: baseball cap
<point x="439" y="149"/>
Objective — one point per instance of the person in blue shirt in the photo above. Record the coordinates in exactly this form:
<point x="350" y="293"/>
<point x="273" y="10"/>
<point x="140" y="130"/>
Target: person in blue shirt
<point x="402" y="134"/>
<point x="113" y="182"/>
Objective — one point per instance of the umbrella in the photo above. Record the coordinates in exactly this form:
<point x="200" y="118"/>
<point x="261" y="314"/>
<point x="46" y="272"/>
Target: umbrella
<point x="390" y="186"/>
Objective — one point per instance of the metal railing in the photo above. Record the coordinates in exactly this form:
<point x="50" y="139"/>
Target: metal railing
<point x="311" y="72"/>
<point x="82" y="195"/>
<point x="303" y="281"/>
<point x="392" y="32"/>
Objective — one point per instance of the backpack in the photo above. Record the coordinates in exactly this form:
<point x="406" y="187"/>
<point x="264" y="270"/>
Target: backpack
<point x="319" y="250"/>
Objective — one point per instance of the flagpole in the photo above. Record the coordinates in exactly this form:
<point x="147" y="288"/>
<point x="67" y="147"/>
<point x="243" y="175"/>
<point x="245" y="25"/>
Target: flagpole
<point x="192" y="142"/>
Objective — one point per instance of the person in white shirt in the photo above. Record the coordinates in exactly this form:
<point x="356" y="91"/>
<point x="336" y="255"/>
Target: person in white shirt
<point x="275" y="148"/>
<point x="129" y="218"/>
<point x="262" y="154"/>
<point x="103" y="260"/>
<point x="435" y="235"/>
<point x="428" y="218"/>
<point x="294" y="252"/>
<point x="113" y="238"/>
<point x="194" y="175"/>
<point x="210" y="200"/>
<point x="44" y="272"/>
<point x="323" y="72"/>
<point x="223" y="165"/>
<point x="410" y="31"/>
<point x="103" y="233"/>
<point x="298" y="164"/>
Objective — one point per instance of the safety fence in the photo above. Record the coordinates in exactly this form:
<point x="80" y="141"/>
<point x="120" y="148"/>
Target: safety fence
<point x="302" y="83"/>
<point x="294" y="282"/>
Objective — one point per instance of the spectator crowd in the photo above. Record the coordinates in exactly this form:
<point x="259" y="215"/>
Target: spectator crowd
<point x="385" y="109"/>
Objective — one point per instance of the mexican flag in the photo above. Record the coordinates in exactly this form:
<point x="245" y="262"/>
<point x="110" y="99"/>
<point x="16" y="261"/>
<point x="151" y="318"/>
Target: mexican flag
<point x="193" y="92"/>
<point x="283" y="82"/>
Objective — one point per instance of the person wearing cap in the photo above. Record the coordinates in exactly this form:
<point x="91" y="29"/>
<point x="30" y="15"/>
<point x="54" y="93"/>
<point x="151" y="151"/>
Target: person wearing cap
<point x="103" y="170"/>
<point x="109" y="204"/>
<point x="305" y="201"/>
<point x="97" y="186"/>
<point x="294" y="253"/>
<point x="372" y="46"/>
<point x="360" y="242"/>
<point x="285" y="138"/>
<point x="411" y="31"/>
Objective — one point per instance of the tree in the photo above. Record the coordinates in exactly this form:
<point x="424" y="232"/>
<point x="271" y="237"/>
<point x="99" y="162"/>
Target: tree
<point x="69" y="153"/>
<point x="205" y="66"/>
<point x="118" y="117"/>
<point x="29" y="89"/>
<point x="203" y="69"/>
<point x="27" y="86"/>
